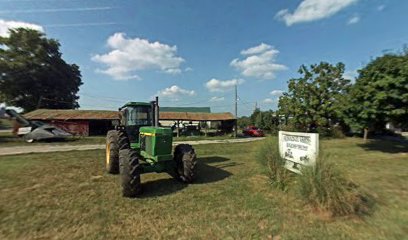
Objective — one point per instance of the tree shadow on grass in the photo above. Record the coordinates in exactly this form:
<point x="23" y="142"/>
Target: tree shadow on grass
<point x="205" y="174"/>
<point x="386" y="146"/>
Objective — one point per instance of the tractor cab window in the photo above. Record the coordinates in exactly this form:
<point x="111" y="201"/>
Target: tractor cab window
<point x="140" y="116"/>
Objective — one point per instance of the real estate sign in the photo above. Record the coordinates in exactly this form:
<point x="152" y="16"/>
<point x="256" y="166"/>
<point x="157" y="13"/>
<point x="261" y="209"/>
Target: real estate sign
<point x="298" y="149"/>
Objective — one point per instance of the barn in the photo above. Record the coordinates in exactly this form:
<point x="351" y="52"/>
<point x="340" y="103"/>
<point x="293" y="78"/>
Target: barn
<point x="98" y="122"/>
<point x="76" y="122"/>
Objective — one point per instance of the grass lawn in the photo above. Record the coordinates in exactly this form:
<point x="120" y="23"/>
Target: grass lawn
<point x="5" y="124"/>
<point x="68" y="196"/>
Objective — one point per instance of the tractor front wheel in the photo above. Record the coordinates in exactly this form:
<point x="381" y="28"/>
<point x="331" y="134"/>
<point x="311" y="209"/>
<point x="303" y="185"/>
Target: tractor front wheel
<point x="130" y="173"/>
<point x="123" y="140"/>
<point x="112" y="152"/>
<point x="186" y="159"/>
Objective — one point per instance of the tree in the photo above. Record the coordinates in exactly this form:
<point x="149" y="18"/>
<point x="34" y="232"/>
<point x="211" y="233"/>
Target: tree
<point x="255" y="116"/>
<point x="33" y="73"/>
<point x="270" y="120"/>
<point x="244" y="122"/>
<point x="313" y="101"/>
<point x="266" y="120"/>
<point x="380" y="94"/>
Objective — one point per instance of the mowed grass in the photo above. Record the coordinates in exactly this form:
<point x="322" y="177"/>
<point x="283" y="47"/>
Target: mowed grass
<point x="68" y="196"/>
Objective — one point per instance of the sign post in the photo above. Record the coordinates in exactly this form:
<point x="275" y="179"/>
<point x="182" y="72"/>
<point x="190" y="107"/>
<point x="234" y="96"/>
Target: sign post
<point x="298" y="149"/>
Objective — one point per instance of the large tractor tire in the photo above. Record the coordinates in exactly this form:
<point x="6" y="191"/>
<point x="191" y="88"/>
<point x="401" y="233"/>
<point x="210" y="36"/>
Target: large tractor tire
<point x="186" y="159"/>
<point x="112" y="152"/>
<point x="123" y="140"/>
<point x="130" y="173"/>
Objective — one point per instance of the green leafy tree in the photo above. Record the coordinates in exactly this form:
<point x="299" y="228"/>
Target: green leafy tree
<point x="259" y="120"/>
<point x="380" y="94"/>
<point x="313" y="101"/>
<point x="244" y="122"/>
<point x="270" y="120"/>
<point x="255" y="115"/>
<point x="33" y="73"/>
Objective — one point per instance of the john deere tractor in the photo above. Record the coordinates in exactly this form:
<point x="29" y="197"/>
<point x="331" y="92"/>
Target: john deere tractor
<point x="139" y="145"/>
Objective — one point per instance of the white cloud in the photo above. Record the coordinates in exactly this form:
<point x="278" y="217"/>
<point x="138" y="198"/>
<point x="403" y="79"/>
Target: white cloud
<point x="217" y="99"/>
<point x="268" y="100"/>
<point x="256" y="50"/>
<point x="380" y="8"/>
<point x="350" y="75"/>
<point x="175" y="92"/>
<point x="129" y="55"/>
<point x="276" y="92"/>
<point x="353" y="20"/>
<point x="6" y="25"/>
<point x="260" y="62"/>
<point x="215" y="85"/>
<point x="312" y="10"/>
<point x="173" y="70"/>
<point x="188" y="69"/>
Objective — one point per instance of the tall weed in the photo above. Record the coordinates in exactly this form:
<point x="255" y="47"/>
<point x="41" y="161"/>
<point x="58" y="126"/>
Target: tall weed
<point x="325" y="188"/>
<point x="271" y="161"/>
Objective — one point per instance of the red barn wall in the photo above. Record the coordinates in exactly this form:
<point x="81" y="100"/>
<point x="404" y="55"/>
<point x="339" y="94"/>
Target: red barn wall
<point x="76" y="128"/>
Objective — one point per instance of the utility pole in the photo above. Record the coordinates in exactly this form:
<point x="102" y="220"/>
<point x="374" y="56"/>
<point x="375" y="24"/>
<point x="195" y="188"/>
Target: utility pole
<point x="236" y="112"/>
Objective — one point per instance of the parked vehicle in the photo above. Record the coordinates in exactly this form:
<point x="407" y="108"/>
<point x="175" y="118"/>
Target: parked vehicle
<point x="253" y="131"/>
<point x="32" y="131"/>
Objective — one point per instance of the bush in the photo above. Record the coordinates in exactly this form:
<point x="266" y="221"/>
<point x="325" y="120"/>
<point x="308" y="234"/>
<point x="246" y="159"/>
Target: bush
<point x="337" y="132"/>
<point x="269" y="158"/>
<point x="325" y="188"/>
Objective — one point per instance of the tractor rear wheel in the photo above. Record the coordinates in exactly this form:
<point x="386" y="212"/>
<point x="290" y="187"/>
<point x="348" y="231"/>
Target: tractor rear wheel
<point x="186" y="159"/>
<point x="130" y="173"/>
<point x="112" y="152"/>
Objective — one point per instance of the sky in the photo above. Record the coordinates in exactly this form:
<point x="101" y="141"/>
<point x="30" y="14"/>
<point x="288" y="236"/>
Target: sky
<point x="192" y="53"/>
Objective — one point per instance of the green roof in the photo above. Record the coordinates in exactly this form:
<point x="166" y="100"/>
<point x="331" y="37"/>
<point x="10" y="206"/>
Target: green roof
<point x="131" y="104"/>
<point x="186" y="109"/>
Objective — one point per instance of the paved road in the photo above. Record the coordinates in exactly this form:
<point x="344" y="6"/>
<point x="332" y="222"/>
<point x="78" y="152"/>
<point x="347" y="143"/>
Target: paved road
<point x="63" y="148"/>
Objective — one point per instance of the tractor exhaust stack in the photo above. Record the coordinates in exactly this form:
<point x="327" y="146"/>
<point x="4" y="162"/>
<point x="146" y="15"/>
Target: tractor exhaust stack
<point x="156" y="112"/>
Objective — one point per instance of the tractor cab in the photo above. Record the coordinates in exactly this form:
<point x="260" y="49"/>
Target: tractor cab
<point x="134" y="115"/>
<point x="140" y="121"/>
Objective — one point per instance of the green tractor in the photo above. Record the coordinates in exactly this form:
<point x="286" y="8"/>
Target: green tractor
<point x="139" y="145"/>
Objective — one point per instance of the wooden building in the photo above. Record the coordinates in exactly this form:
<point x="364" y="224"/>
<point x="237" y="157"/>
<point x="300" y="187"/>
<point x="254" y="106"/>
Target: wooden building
<point x="98" y="122"/>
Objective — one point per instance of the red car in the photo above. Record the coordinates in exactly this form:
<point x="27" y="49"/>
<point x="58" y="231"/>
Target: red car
<point x="253" y="131"/>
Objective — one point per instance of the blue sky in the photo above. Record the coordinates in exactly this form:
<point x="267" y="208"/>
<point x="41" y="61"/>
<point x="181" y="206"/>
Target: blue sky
<point x="192" y="53"/>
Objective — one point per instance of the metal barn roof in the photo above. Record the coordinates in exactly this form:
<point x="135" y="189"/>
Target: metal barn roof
<point x="64" y="115"/>
<point x="186" y="109"/>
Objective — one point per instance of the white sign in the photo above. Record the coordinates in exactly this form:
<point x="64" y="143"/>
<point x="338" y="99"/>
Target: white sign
<point x="298" y="149"/>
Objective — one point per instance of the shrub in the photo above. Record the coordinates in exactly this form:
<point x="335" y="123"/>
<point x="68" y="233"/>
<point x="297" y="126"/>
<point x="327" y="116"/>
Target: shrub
<point x="325" y="188"/>
<point x="269" y="158"/>
<point x="337" y="132"/>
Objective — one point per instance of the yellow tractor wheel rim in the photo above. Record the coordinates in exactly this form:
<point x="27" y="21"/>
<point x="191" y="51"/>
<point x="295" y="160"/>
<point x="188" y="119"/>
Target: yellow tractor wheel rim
<point x="107" y="155"/>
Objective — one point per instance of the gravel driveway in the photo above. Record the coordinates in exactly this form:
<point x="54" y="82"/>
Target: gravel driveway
<point x="63" y="148"/>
